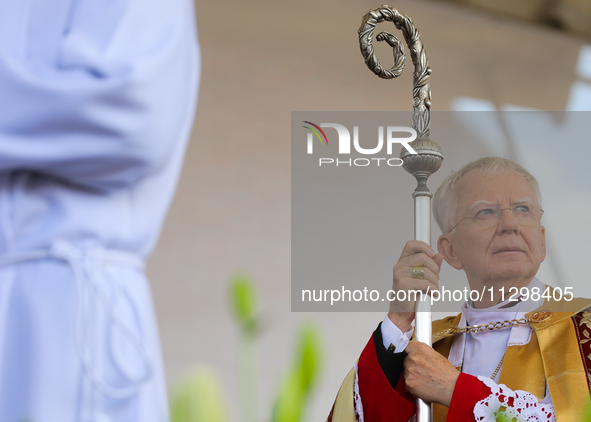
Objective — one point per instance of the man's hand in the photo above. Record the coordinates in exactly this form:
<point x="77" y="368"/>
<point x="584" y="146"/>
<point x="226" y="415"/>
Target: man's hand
<point x="414" y="254"/>
<point x="428" y="375"/>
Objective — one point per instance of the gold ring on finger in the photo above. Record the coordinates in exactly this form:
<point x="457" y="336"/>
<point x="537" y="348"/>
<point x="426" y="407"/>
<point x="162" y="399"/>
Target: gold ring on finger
<point x="418" y="272"/>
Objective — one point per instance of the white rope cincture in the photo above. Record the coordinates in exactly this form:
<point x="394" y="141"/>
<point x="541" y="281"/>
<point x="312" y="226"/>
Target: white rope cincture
<point x="85" y="265"/>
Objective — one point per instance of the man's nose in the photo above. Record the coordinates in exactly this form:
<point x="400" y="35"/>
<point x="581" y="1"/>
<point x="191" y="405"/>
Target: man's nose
<point x="507" y="222"/>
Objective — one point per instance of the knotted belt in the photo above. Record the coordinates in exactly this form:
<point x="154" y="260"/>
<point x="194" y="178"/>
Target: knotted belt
<point x="86" y="265"/>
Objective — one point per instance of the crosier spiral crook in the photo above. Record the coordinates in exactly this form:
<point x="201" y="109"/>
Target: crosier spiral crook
<point x="428" y="157"/>
<point x="422" y="74"/>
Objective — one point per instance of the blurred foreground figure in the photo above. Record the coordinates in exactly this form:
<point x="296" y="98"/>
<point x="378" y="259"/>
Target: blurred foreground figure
<point x="97" y="101"/>
<point x="519" y="351"/>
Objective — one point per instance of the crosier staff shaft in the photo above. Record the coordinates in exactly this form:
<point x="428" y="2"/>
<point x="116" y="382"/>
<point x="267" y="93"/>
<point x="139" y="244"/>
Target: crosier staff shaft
<point x="429" y="156"/>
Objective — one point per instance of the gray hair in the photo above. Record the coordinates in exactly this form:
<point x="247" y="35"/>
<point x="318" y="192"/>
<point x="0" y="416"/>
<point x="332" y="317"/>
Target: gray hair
<point x="445" y="199"/>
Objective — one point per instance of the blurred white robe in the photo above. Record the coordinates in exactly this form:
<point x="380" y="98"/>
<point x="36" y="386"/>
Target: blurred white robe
<point x="97" y="102"/>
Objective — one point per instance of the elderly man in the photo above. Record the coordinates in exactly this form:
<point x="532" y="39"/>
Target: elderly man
<point x="533" y="365"/>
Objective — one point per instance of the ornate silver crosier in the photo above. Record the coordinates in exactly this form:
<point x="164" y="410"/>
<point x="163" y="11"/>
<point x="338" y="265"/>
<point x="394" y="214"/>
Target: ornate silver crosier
<point x="429" y="156"/>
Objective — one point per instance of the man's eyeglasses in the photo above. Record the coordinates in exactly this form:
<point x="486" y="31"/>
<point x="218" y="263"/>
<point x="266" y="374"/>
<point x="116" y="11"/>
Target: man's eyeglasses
<point x="488" y="216"/>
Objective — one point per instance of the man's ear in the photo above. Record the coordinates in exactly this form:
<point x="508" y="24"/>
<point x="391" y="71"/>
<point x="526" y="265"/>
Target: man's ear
<point x="543" y="243"/>
<point x="446" y="248"/>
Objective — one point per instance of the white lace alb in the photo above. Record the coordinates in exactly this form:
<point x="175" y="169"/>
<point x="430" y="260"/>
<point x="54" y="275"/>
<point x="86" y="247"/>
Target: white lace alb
<point x="358" y="404"/>
<point x="516" y="406"/>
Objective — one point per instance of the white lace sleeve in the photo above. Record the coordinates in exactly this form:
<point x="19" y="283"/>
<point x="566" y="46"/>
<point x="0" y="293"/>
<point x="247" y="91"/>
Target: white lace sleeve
<point x="517" y="406"/>
<point x="357" y="403"/>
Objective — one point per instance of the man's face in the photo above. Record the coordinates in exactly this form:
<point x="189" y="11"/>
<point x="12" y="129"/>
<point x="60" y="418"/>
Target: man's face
<point x="504" y="250"/>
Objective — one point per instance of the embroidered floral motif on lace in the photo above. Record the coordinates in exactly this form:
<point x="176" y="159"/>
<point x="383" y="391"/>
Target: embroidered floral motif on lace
<point x="357" y="402"/>
<point x="516" y="406"/>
